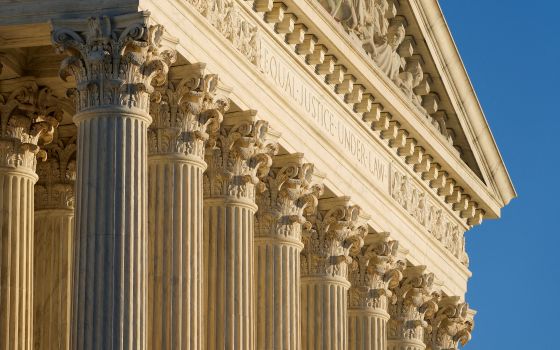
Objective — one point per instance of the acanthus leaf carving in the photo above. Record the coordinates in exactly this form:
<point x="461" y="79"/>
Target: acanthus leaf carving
<point x="114" y="60"/>
<point x="292" y="189"/>
<point x="29" y="116"/>
<point x="374" y="270"/>
<point x="55" y="188"/>
<point x="414" y="302"/>
<point x="184" y="113"/>
<point x="239" y="155"/>
<point x="450" y="326"/>
<point x="335" y="230"/>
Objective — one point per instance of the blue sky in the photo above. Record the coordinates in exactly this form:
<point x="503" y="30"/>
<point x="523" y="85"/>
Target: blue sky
<point x="511" y="51"/>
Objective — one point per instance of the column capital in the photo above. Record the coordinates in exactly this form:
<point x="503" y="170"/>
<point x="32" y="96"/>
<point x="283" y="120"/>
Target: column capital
<point x="29" y="116"/>
<point x="239" y="155"/>
<point x="375" y="269"/>
<point x="114" y="60"/>
<point x="185" y="111"/>
<point x="414" y="301"/>
<point x="450" y="326"/>
<point x="291" y="189"/>
<point x="55" y="187"/>
<point x="336" y="228"/>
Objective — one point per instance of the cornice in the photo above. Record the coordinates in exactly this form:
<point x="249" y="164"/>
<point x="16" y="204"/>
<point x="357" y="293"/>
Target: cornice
<point x="463" y="96"/>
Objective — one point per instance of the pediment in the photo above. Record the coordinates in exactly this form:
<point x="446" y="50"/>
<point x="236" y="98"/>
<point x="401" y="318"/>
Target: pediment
<point x="410" y="43"/>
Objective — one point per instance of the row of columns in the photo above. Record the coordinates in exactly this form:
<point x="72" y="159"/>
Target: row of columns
<point x="187" y="231"/>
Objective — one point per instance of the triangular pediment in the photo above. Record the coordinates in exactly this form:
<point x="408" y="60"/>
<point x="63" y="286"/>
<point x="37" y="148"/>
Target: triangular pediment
<point x="410" y="43"/>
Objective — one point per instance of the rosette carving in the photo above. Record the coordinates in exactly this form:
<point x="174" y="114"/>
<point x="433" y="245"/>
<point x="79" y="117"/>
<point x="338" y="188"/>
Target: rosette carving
<point x="414" y="302"/>
<point x="239" y="155"/>
<point x="374" y="270"/>
<point x="450" y="326"/>
<point x="291" y="190"/>
<point x="184" y="113"/>
<point x="29" y="116"/>
<point x="336" y="228"/>
<point x="55" y="188"/>
<point x="113" y="59"/>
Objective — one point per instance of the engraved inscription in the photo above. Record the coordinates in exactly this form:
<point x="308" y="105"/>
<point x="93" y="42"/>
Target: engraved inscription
<point x="319" y="110"/>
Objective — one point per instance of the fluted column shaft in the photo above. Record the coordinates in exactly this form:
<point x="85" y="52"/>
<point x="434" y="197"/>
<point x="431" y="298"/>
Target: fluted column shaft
<point x="291" y="188"/>
<point x="54" y="246"/>
<point x="335" y="229"/>
<point x="16" y="257"/>
<point x="29" y="117"/>
<point x="228" y="233"/>
<point x="277" y="291"/>
<point x="367" y="329"/>
<point x="175" y="246"/>
<point x="114" y="61"/>
<point x="324" y="313"/>
<point x="239" y="158"/>
<point x="183" y="112"/>
<point x="405" y="345"/>
<point x="110" y="300"/>
<point x="54" y="243"/>
<point x="374" y="270"/>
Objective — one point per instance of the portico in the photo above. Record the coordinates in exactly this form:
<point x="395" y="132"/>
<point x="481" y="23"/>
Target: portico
<point x="183" y="174"/>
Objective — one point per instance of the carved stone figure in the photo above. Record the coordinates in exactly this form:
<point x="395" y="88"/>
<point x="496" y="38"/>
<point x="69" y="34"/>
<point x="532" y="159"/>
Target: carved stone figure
<point x="387" y="57"/>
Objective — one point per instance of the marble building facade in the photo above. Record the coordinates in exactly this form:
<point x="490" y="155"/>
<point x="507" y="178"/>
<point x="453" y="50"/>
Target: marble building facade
<point x="238" y="174"/>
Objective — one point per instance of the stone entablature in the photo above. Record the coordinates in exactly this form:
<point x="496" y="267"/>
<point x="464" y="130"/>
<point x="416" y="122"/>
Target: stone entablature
<point x="298" y="39"/>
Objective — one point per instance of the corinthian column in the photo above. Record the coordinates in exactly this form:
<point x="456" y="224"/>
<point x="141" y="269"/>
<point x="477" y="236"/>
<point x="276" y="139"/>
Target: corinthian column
<point x="291" y="190"/>
<point x="54" y="245"/>
<point x="335" y="229"/>
<point x="183" y="114"/>
<point x="450" y="326"/>
<point x="113" y="60"/>
<point x="239" y="157"/>
<point x="414" y="302"/>
<point x="28" y="117"/>
<point x="373" y="271"/>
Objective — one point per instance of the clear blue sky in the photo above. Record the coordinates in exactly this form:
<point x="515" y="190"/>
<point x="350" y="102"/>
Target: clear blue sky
<point x="511" y="50"/>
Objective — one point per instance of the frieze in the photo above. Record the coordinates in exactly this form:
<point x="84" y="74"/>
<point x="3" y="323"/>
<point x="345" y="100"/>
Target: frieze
<point x="227" y="18"/>
<point x="429" y="214"/>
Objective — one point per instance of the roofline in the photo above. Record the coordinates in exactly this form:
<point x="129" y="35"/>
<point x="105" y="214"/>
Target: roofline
<point x="483" y="137"/>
